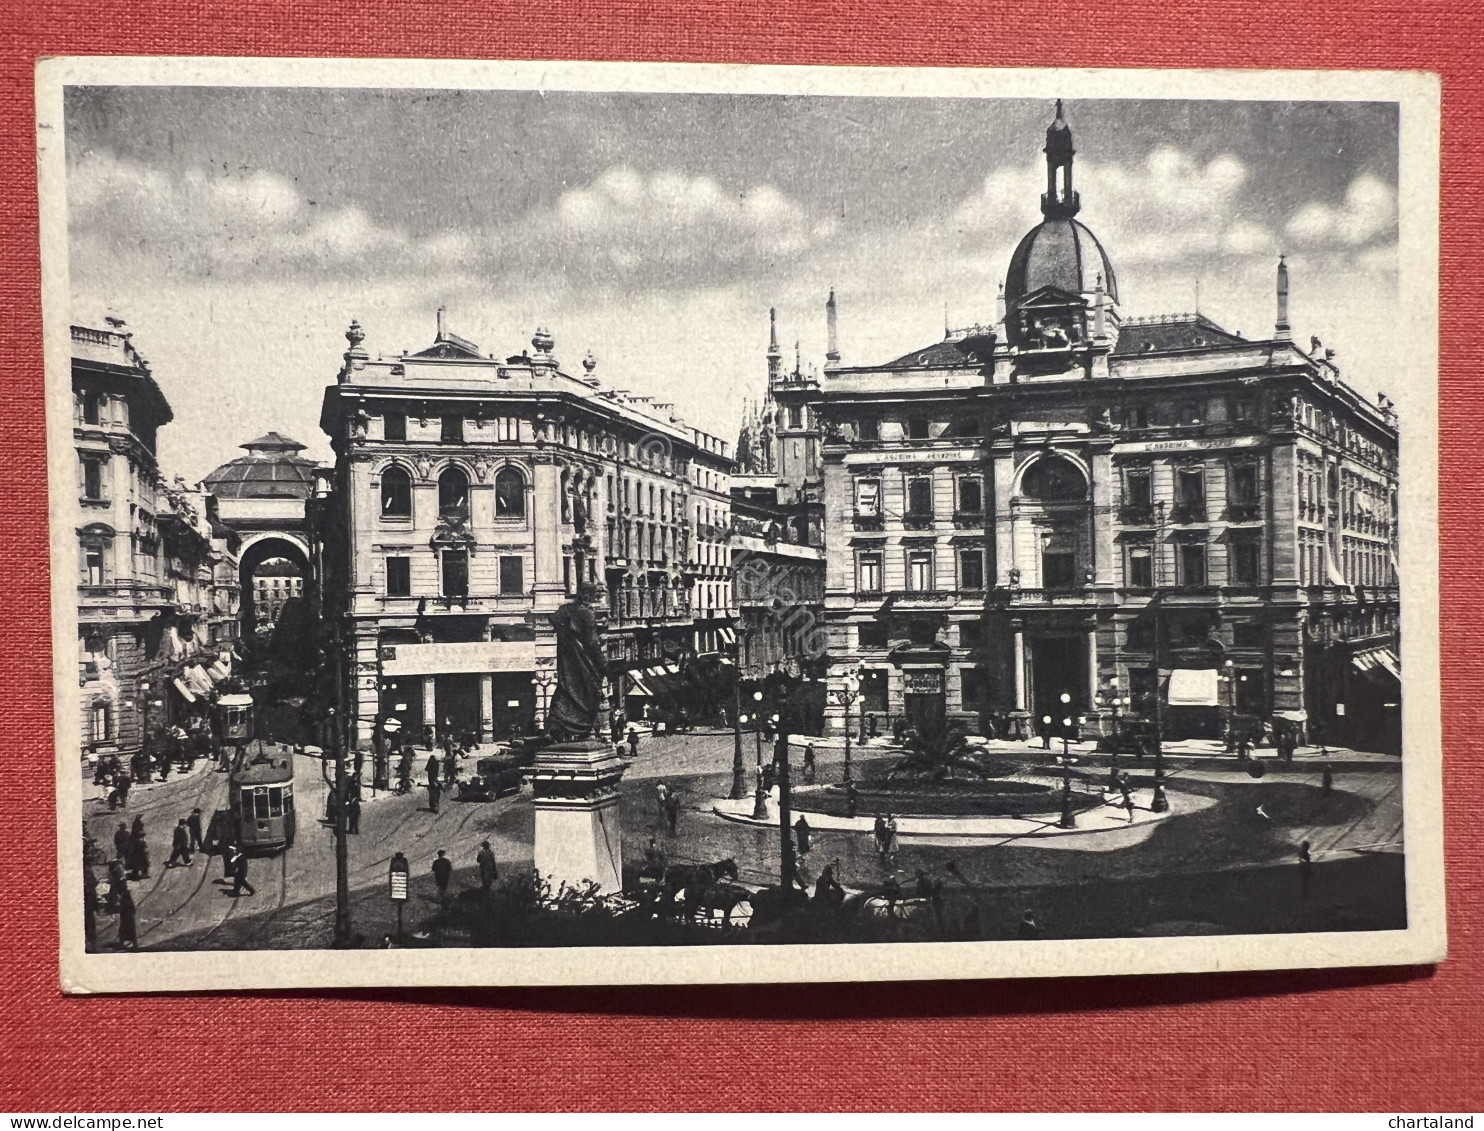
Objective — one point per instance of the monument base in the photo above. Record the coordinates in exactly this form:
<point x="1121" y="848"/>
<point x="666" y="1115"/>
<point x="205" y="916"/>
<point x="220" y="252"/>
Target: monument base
<point x="578" y="841"/>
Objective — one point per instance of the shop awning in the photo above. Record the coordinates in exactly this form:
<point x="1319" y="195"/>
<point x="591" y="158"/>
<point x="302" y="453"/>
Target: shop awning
<point x="185" y="692"/>
<point x="1193" y="687"/>
<point x="727" y="634"/>
<point x="1378" y="660"/>
<point x="638" y="687"/>
<point x="197" y="679"/>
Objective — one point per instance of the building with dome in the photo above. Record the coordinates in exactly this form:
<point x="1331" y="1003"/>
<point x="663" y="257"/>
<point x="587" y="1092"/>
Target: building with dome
<point x="260" y="497"/>
<point x="1069" y="513"/>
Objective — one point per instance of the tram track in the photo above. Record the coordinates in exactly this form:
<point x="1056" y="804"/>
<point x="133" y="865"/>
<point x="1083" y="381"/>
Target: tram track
<point x="271" y="917"/>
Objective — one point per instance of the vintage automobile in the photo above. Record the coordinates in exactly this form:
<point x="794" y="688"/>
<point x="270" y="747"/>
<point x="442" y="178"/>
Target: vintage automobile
<point x="494" y="776"/>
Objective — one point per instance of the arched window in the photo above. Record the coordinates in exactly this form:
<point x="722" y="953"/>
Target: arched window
<point x="1053" y="478"/>
<point x="510" y="494"/>
<point x="453" y="492"/>
<point x="396" y="493"/>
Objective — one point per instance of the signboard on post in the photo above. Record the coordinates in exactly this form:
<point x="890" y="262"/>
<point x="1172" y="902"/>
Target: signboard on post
<point x="397" y="878"/>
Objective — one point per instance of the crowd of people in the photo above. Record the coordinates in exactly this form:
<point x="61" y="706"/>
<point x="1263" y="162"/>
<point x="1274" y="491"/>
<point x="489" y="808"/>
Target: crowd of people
<point x="176" y="748"/>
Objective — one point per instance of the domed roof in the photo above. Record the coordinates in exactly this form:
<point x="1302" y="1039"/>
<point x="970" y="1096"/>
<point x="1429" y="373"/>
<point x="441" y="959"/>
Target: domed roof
<point x="1059" y="252"/>
<point x="272" y="469"/>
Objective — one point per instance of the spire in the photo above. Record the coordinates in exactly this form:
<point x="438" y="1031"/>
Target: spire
<point x="1059" y="202"/>
<point x="832" y="352"/>
<point x="442" y="321"/>
<point x="1282" y="331"/>
<point x="798" y="360"/>
<point x="775" y="355"/>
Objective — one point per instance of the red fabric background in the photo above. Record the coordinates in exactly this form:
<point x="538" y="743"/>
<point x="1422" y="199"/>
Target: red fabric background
<point x="1345" y="1040"/>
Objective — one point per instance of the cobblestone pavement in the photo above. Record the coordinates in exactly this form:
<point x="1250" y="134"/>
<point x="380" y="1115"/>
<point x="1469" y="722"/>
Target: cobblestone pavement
<point x="1231" y="866"/>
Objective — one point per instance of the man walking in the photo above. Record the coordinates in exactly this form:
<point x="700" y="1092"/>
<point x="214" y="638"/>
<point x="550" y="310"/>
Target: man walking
<point x="193" y="827"/>
<point x="809" y="763"/>
<point x="180" y="845"/>
<point x="353" y="815"/>
<point x="432" y="770"/>
<point x="801" y="835"/>
<point x="442" y="873"/>
<point x="662" y="797"/>
<point x="239" y="874"/>
<point x="435" y="792"/>
<point x="122" y="843"/>
<point x="672" y="812"/>
<point x="633" y="743"/>
<point x="488" y="873"/>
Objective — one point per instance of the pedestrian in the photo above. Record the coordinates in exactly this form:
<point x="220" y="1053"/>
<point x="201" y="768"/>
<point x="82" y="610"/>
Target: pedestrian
<point x="229" y="851"/>
<point x="1127" y="794"/>
<point x="809" y="762"/>
<point x="138" y="853"/>
<point x="442" y="873"/>
<point x="180" y="845"/>
<point x="662" y="798"/>
<point x="1288" y="746"/>
<point x="404" y="771"/>
<point x="450" y="766"/>
<point x="432" y="769"/>
<point x="851" y="799"/>
<point x="353" y="815"/>
<point x="891" y="837"/>
<point x="1029" y="928"/>
<point x="122" y="842"/>
<point x="193" y="827"/>
<point x="435" y="792"/>
<point x="1327" y="778"/>
<point x="1306" y="865"/>
<point x="672" y="812"/>
<point x="633" y="742"/>
<point x="878" y="832"/>
<point x="121" y="898"/>
<point x="801" y="835"/>
<point x="488" y="873"/>
<point x="239" y="874"/>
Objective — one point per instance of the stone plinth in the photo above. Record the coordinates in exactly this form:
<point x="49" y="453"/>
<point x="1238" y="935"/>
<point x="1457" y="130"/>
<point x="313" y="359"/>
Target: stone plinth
<point x="577" y="828"/>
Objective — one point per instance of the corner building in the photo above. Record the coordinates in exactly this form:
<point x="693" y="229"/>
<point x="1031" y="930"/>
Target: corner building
<point x="472" y="495"/>
<point x="1071" y="513"/>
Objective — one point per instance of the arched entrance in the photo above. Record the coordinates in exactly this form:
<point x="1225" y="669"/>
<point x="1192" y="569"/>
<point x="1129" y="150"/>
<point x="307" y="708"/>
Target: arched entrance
<point x="273" y="570"/>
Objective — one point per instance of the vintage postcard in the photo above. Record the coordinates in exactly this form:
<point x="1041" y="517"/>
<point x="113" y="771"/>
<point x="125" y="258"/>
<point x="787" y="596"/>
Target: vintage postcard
<point x="556" y="523"/>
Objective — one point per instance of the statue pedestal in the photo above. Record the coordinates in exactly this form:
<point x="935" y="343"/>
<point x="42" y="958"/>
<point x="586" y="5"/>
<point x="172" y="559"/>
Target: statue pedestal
<point x="577" y="829"/>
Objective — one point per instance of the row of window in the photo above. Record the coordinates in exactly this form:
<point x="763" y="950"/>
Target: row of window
<point x="1059" y="568"/>
<point x="453" y="493"/>
<point x="453" y="570"/>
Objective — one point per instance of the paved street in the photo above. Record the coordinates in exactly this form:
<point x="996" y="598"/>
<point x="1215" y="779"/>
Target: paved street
<point x="1147" y="879"/>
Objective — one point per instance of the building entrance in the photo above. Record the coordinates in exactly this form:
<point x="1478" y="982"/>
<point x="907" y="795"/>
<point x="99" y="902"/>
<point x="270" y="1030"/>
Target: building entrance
<point x="922" y="698"/>
<point x="456" y="698"/>
<point x="512" y="704"/>
<point x="1058" y="667"/>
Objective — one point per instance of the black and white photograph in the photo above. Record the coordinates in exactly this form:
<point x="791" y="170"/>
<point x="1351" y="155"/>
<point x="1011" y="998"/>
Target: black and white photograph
<point x="631" y="523"/>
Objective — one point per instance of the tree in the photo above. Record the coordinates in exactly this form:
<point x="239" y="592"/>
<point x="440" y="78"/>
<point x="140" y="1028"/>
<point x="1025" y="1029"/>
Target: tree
<point x="937" y="751"/>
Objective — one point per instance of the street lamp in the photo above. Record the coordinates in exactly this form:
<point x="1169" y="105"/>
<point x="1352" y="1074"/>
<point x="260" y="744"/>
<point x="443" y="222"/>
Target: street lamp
<point x="739" y="767"/>
<point x="848" y="694"/>
<point x="760" y="795"/>
<point x="1068" y="818"/>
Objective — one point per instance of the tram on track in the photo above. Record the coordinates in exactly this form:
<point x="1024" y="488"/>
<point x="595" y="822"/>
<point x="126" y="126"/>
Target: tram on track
<point x="259" y="816"/>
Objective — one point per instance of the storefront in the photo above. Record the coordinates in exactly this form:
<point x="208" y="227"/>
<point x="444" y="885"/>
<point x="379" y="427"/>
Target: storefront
<point x="485" y="688"/>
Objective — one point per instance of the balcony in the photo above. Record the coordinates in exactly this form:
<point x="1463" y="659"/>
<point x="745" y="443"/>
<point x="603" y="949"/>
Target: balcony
<point x="918" y="520"/>
<point x="1136" y="515"/>
<point x="1188" y="512"/>
<point x="867" y="520"/>
<point x="645" y="606"/>
<point x="1244" y="512"/>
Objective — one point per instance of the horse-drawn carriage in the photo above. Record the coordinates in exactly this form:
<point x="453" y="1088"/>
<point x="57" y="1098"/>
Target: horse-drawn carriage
<point x="693" y="892"/>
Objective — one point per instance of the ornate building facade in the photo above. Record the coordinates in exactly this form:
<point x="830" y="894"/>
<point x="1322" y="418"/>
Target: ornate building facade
<point x="1072" y="514"/>
<point x="156" y="581"/>
<point x="472" y="495"/>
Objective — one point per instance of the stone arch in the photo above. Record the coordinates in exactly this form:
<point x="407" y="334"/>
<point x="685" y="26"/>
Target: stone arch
<point x="1042" y="467"/>
<point x="256" y="549"/>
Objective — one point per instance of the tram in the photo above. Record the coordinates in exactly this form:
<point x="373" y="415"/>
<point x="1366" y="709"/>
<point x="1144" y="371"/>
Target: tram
<point x="259" y="816"/>
<point x="260" y="803"/>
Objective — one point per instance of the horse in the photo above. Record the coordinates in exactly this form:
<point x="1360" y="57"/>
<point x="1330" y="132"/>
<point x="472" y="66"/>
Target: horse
<point x="693" y="880"/>
<point x="718" y="895"/>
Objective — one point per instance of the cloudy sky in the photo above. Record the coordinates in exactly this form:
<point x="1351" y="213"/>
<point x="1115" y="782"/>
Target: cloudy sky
<point x="238" y="231"/>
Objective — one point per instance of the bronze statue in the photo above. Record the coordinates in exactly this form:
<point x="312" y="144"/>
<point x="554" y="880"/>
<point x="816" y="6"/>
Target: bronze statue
<point x="573" y="714"/>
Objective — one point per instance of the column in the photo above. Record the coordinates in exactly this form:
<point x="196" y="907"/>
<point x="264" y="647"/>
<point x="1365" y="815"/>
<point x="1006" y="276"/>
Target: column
<point x="1092" y="668"/>
<point x="1103" y="548"/>
<point x="546" y="528"/>
<point x="486" y="707"/>
<point x="1019" y="662"/>
<point x="430" y="702"/>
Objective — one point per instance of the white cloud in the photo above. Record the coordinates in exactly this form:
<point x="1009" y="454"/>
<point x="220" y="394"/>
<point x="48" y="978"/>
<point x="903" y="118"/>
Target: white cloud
<point x="1369" y="210"/>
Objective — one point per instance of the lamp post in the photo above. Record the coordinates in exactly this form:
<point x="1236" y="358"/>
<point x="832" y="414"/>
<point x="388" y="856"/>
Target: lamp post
<point x="739" y="766"/>
<point x="1068" y="818"/>
<point x="760" y="794"/>
<point x="848" y="694"/>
